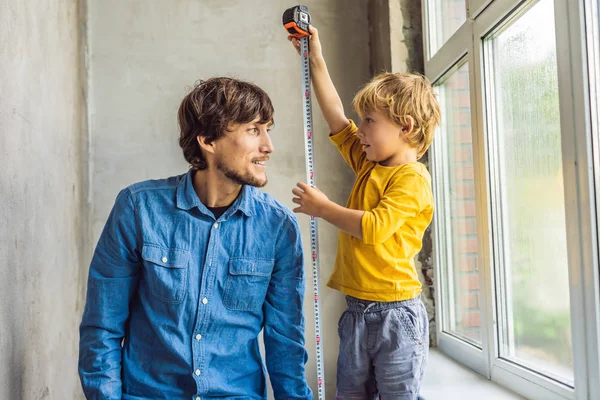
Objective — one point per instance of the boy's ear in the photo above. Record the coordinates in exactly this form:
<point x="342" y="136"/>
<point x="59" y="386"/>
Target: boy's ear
<point x="209" y="147"/>
<point x="408" y="125"/>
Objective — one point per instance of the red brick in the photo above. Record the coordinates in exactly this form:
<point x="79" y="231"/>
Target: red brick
<point x="467" y="245"/>
<point x="462" y="154"/>
<point x="459" y="82"/>
<point x="462" y="136"/>
<point x="471" y="319"/>
<point x="465" y="208"/>
<point x="469" y="300"/>
<point x="464" y="99"/>
<point x="469" y="282"/>
<point x="470" y="260"/>
<point x="467" y="264"/>
<point x="464" y="117"/>
<point x="464" y="173"/>
<point x="464" y="226"/>
<point x="463" y="79"/>
<point x="464" y="190"/>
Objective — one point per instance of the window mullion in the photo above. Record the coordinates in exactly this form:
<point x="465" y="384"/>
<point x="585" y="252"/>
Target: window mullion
<point x="480" y="160"/>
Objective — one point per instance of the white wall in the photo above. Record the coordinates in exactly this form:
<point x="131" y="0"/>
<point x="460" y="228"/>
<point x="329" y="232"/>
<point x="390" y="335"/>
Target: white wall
<point x="41" y="130"/>
<point x="143" y="56"/>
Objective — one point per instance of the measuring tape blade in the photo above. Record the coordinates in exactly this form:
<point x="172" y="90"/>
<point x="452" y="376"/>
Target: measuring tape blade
<point x="296" y="21"/>
<point x="314" y="231"/>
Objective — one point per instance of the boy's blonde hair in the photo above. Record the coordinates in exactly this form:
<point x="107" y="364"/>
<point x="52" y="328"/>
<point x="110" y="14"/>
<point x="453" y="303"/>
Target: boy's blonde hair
<point x="399" y="96"/>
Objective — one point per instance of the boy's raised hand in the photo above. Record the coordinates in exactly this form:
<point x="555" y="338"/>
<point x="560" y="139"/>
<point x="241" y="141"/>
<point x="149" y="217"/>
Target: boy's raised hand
<point x="325" y="92"/>
<point x="314" y="42"/>
<point x="311" y="200"/>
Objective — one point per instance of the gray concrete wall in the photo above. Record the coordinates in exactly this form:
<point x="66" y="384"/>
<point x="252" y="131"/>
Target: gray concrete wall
<point x="396" y="39"/>
<point x="41" y="208"/>
<point x="379" y="34"/>
<point x="143" y="56"/>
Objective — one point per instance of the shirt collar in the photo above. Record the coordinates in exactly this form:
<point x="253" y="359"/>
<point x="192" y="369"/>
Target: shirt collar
<point x="188" y="199"/>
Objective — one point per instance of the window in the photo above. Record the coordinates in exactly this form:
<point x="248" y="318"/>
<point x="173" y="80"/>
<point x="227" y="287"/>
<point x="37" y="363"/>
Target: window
<point x="445" y="17"/>
<point x="516" y="174"/>
<point x="456" y="200"/>
<point x="528" y="200"/>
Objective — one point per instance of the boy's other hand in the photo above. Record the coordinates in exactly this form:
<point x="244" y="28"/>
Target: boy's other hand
<point x="314" y="43"/>
<point x="311" y="200"/>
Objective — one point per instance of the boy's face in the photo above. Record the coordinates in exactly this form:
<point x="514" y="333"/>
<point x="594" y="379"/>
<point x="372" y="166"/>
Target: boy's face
<point x="242" y="152"/>
<point x="382" y="139"/>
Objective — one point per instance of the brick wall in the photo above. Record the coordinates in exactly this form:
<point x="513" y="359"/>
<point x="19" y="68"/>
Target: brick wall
<point x="463" y="210"/>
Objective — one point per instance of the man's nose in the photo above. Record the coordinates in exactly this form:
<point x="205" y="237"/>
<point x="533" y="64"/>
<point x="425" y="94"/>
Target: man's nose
<point x="267" y="144"/>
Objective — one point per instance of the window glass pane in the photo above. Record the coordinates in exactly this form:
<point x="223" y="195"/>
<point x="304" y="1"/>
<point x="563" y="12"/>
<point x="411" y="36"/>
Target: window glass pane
<point x="528" y="205"/>
<point x="593" y="46"/>
<point x="445" y="17"/>
<point x="592" y="25"/>
<point x="457" y="247"/>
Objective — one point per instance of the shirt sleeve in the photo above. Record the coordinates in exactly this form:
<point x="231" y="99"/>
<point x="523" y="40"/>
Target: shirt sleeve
<point x="405" y="198"/>
<point x="284" y="318"/>
<point x="349" y="147"/>
<point x="112" y="280"/>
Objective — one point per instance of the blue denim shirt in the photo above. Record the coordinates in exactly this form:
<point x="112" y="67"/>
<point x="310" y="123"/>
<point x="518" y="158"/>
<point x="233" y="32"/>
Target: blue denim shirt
<point x="176" y="300"/>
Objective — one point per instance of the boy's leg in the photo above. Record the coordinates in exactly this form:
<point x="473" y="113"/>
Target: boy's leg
<point x="402" y="351"/>
<point x="372" y="390"/>
<point x="354" y="367"/>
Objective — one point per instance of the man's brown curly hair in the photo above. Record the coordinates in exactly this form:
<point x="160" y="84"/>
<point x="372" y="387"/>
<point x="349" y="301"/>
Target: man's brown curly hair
<point x="212" y="106"/>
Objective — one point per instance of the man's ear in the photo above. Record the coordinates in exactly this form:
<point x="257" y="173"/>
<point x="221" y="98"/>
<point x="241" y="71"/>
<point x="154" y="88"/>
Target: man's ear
<point x="209" y="147"/>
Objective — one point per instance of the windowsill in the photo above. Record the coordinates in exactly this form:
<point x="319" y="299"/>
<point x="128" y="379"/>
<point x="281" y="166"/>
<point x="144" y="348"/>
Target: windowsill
<point x="448" y="380"/>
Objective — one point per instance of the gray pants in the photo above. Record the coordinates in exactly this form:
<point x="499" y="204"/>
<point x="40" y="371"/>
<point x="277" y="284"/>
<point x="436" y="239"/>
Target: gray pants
<point x="383" y="350"/>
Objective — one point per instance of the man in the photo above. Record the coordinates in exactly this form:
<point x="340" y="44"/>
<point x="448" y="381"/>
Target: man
<point x="189" y="269"/>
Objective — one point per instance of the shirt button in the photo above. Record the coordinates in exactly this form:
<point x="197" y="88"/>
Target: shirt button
<point x="197" y="372"/>
<point x="204" y="300"/>
<point x="198" y="336"/>
<point x="164" y="259"/>
<point x="216" y="226"/>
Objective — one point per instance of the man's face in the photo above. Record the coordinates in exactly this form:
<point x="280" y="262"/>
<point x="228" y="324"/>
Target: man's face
<point x="242" y="152"/>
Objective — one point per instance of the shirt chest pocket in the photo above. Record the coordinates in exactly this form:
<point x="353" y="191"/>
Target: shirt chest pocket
<point x="247" y="283"/>
<point x="165" y="272"/>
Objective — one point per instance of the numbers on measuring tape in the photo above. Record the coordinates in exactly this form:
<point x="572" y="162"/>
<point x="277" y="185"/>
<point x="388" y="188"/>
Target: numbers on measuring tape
<point x="296" y="21"/>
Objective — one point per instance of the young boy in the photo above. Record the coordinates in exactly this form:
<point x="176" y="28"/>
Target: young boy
<point x="384" y="332"/>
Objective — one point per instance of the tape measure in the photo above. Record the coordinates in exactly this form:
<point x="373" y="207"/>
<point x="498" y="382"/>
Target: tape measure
<point x="296" y="20"/>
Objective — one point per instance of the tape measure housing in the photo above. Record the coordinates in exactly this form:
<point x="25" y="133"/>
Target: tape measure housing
<point x="296" y="20"/>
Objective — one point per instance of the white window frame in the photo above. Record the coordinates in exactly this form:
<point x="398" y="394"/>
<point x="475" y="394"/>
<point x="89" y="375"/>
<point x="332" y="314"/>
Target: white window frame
<point x="577" y="53"/>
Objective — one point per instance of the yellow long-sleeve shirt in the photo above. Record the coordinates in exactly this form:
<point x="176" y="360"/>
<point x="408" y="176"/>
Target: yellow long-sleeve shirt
<point x="398" y="205"/>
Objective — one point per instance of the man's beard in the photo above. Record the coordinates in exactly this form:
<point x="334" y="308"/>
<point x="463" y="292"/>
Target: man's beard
<point x="240" y="179"/>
